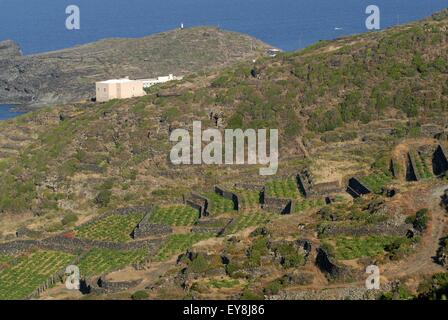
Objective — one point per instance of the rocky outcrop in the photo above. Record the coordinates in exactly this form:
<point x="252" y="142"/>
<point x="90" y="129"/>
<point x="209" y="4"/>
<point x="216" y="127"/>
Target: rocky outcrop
<point x="69" y="76"/>
<point x="334" y="271"/>
<point x="9" y="49"/>
<point x="102" y="285"/>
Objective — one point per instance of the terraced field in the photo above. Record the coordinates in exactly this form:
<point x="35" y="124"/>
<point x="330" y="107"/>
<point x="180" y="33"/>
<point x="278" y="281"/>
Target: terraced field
<point x="348" y="248"/>
<point x="29" y="272"/>
<point x="5" y="259"/>
<point x="308" y="204"/>
<point x="220" y="204"/>
<point x="175" y="216"/>
<point x="424" y="166"/>
<point x="376" y="181"/>
<point x="99" y="261"/>
<point x="177" y="243"/>
<point x="246" y="221"/>
<point x="113" y="228"/>
<point x="286" y="188"/>
<point x="248" y="199"/>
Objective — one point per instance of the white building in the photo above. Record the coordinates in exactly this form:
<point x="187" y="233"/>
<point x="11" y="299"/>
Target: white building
<point x="125" y="88"/>
<point x="151" y="82"/>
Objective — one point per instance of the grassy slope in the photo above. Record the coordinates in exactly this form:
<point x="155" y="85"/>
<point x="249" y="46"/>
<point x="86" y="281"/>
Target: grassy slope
<point x="119" y="149"/>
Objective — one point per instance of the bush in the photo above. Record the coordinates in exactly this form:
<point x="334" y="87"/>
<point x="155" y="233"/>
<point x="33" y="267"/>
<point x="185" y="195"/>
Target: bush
<point x="69" y="219"/>
<point x="273" y="287"/>
<point x="103" y="198"/>
<point x="199" y="265"/>
<point x="140" y="295"/>
<point x="251" y="295"/>
<point x="420" y="221"/>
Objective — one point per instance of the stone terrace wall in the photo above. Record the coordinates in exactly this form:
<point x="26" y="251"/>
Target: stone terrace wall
<point x="306" y="182"/>
<point x="77" y="245"/>
<point x="356" y="188"/>
<point x="327" y="265"/>
<point x="440" y="161"/>
<point x="230" y="196"/>
<point x="199" y="202"/>
<point x="327" y="188"/>
<point x="146" y="229"/>
<point x="103" y="286"/>
<point x="17" y="246"/>
<point x="249" y="187"/>
<point x="278" y="205"/>
<point x="394" y="169"/>
<point x="411" y="169"/>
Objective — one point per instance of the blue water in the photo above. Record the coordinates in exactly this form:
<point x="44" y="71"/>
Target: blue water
<point x="6" y="113"/>
<point x="289" y="24"/>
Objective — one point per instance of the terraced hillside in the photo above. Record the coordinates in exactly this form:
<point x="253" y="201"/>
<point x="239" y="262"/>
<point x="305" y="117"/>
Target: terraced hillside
<point x="353" y="107"/>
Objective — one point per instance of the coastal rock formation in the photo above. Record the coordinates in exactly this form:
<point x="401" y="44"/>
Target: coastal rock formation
<point x="69" y="75"/>
<point x="9" y="49"/>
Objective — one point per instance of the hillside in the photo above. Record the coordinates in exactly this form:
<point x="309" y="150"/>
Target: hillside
<point x="362" y="179"/>
<point x="68" y="75"/>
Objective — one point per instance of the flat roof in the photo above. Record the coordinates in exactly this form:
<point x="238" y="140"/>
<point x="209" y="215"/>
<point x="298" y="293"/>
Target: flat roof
<point x="124" y="80"/>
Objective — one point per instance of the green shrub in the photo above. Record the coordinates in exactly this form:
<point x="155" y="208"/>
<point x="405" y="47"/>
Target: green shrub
<point x="140" y="295"/>
<point x="103" y="198"/>
<point x="199" y="264"/>
<point x="251" y="295"/>
<point x="69" y="219"/>
<point x="273" y="287"/>
<point x="420" y="221"/>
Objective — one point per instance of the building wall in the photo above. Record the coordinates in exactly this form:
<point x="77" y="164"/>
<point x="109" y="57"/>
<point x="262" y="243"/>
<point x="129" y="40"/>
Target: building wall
<point x="105" y="91"/>
<point x="125" y="88"/>
<point x="119" y="90"/>
<point x="130" y="89"/>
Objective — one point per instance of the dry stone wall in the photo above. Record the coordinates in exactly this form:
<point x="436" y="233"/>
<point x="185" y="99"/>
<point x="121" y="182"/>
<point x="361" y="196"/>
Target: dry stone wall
<point x="356" y="188"/>
<point x="440" y="161"/>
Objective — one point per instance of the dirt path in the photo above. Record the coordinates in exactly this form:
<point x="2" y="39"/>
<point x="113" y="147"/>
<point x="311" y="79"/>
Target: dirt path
<point x="422" y="261"/>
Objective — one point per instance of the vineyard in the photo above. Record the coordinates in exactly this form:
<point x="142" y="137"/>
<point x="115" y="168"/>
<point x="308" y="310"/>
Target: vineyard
<point x="5" y="259"/>
<point x="178" y="243"/>
<point x="113" y="228"/>
<point x="99" y="261"/>
<point x="424" y="167"/>
<point x="220" y="204"/>
<point x="248" y="199"/>
<point x="175" y="216"/>
<point x="29" y="272"/>
<point x="283" y="189"/>
<point x="308" y="204"/>
<point x="354" y="248"/>
<point x="247" y="221"/>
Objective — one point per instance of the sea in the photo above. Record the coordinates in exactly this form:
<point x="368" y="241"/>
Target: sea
<point x="40" y="26"/>
<point x="6" y="112"/>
